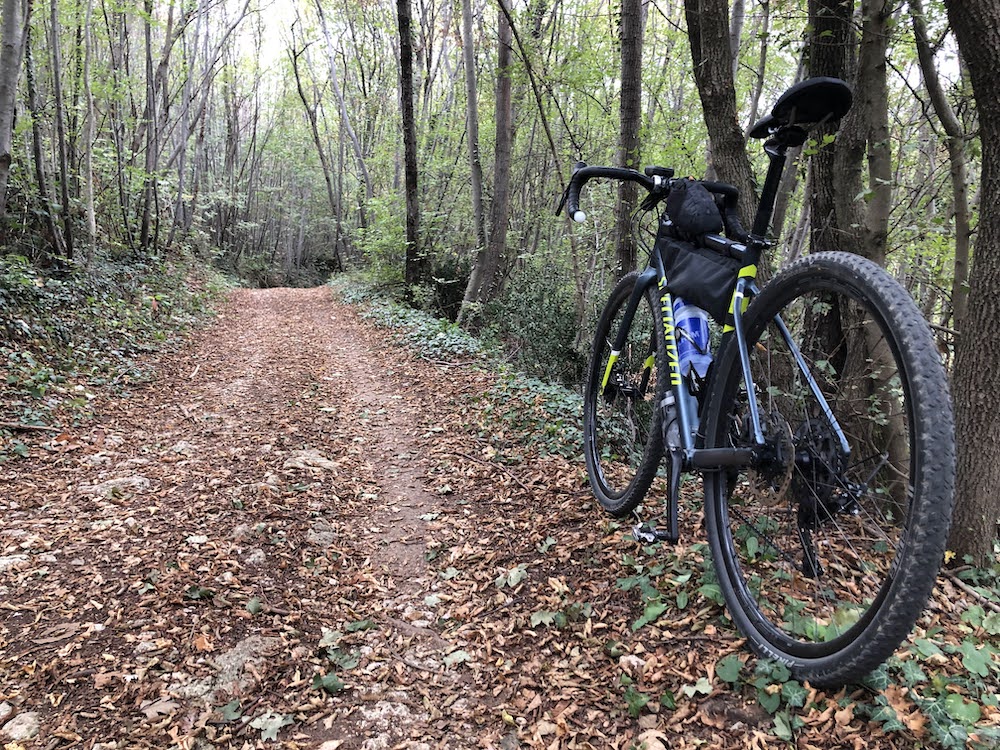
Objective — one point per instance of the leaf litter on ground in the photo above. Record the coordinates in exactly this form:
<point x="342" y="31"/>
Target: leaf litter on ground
<point x="258" y="594"/>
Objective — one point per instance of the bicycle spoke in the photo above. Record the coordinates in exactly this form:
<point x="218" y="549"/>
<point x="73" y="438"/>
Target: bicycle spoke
<point x="621" y="425"/>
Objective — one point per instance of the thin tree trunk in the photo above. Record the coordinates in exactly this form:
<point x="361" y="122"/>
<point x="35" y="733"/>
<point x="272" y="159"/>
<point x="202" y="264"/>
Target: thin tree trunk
<point x="758" y="88"/>
<point x="580" y="282"/>
<point x="416" y="264"/>
<point x="472" y="123"/>
<point x="314" y="128"/>
<point x="36" y="131"/>
<point x="475" y="161"/>
<point x="89" y="131"/>
<point x="737" y="18"/>
<point x="958" y="162"/>
<point x="181" y="219"/>
<point x="150" y="163"/>
<point x="628" y="136"/>
<point x="488" y="260"/>
<point x="57" y="92"/>
<point x="11" y="38"/>
<point x="355" y="143"/>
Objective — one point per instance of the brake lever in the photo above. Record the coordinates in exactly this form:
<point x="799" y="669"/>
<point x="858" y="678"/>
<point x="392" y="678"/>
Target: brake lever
<point x="565" y="197"/>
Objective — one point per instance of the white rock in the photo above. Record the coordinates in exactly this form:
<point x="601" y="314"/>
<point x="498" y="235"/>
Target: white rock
<point x="23" y="726"/>
<point x="12" y="561"/>
<point x="309" y="460"/>
<point x="137" y="484"/>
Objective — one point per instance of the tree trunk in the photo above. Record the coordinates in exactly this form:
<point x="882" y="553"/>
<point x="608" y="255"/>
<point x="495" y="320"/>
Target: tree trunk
<point x="737" y="19"/>
<point x="976" y="24"/>
<point x="483" y="282"/>
<point x="416" y="263"/>
<point x="11" y="38"/>
<point x="708" y="32"/>
<point x="865" y="131"/>
<point x="51" y="226"/>
<point x="60" y="145"/>
<point x="758" y="86"/>
<point x="580" y="283"/>
<point x="314" y="129"/>
<point x="472" y="123"/>
<point x="957" y="159"/>
<point x="89" y="133"/>
<point x="353" y="136"/>
<point x="475" y="162"/>
<point x="831" y="46"/>
<point x="149" y="182"/>
<point x="629" y="121"/>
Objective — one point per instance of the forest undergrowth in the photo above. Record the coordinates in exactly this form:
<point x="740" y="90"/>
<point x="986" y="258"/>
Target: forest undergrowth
<point x="69" y="331"/>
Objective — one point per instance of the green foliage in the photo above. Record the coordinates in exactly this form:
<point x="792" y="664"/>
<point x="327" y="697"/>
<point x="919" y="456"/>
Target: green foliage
<point x="62" y="333"/>
<point x="328" y="683"/>
<point x="573" y="612"/>
<point x="383" y="241"/>
<point x="728" y="668"/>
<point x="513" y="577"/>
<point x="430" y="337"/>
<point x="542" y="415"/>
<point x="635" y="701"/>
<point x="535" y="319"/>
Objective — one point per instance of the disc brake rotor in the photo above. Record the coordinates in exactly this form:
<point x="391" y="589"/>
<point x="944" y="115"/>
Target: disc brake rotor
<point x="770" y="481"/>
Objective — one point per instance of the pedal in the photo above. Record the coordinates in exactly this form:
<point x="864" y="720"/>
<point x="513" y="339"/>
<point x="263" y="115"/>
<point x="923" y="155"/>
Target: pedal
<point x="647" y="533"/>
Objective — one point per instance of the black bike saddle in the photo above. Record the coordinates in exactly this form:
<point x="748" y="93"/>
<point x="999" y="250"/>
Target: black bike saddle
<point x="807" y="104"/>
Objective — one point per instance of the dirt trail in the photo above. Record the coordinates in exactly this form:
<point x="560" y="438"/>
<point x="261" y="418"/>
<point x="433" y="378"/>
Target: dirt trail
<point x="249" y="524"/>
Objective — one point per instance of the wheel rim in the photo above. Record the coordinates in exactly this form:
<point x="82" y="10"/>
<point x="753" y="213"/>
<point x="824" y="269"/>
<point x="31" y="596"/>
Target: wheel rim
<point x="812" y="566"/>
<point x="620" y="421"/>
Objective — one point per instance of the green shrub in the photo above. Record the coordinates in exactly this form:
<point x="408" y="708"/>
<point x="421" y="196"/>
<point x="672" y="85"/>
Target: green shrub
<point x="535" y="321"/>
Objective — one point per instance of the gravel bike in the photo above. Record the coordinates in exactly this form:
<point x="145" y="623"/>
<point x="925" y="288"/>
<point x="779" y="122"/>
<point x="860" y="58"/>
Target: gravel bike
<point x="816" y="410"/>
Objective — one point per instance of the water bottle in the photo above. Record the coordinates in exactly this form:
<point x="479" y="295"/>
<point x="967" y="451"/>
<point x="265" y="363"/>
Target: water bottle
<point x="691" y="324"/>
<point x="670" y="425"/>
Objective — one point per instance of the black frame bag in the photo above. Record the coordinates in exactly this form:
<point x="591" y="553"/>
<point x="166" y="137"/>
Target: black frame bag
<point x="701" y="276"/>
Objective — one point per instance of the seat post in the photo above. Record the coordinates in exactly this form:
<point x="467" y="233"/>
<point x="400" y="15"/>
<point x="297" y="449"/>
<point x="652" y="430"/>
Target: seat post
<point x="776" y="149"/>
<point x="769" y="194"/>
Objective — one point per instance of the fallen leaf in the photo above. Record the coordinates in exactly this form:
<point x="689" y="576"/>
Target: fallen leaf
<point x="156" y="709"/>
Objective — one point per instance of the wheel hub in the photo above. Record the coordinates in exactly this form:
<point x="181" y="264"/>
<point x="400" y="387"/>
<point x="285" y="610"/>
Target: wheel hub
<point x="771" y="475"/>
<point x="818" y="484"/>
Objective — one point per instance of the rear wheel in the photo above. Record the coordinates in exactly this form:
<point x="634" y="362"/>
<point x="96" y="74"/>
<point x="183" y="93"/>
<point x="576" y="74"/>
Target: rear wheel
<point x="621" y="421"/>
<point x="828" y="547"/>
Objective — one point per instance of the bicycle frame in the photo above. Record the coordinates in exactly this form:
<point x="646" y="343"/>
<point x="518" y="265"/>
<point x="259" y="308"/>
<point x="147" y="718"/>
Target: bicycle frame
<point x="689" y="454"/>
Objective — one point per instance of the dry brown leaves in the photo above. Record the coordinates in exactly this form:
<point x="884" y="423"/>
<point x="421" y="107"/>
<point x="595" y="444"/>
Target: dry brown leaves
<point x="294" y="536"/>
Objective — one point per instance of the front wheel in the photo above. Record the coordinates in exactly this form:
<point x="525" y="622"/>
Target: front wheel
<point x="827" y="548"/>
<point x="623" y="444"/>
